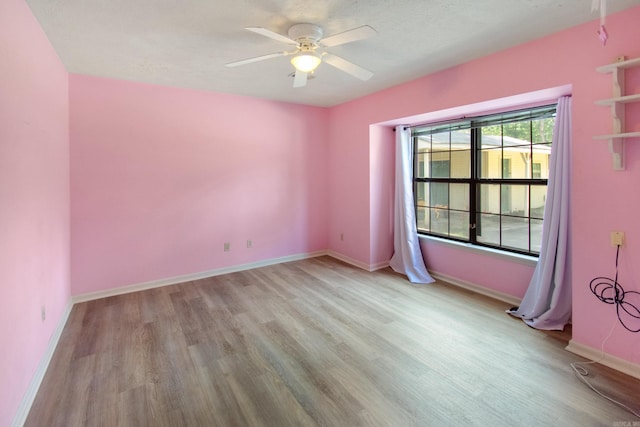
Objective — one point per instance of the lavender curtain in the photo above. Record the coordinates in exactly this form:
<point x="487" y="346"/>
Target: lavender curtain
<point x="547" y="302"/>
<point x="407" y="257"/>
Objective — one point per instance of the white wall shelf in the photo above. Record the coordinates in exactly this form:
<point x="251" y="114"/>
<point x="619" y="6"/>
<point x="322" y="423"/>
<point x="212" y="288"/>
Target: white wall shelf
<point x="617" y="104"/>
<point x="620" y="64"/>
<point x="618" y="135"/>
<point x="621" y="99"/>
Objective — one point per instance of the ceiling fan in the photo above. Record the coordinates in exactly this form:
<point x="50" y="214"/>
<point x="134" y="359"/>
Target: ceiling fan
<point x="309" y="53"/>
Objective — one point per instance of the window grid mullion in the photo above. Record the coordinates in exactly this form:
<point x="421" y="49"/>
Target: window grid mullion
<point x="473" y="187"/>
<point x="501" y="183"/>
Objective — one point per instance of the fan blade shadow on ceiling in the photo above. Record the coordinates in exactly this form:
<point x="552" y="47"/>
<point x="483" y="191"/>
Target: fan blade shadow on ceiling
<point x="349" y="36"/>
<point x="347" y="66"/>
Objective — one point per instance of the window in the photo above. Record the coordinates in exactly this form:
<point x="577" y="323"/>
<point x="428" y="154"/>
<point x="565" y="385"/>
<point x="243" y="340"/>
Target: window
<point x="484" y="180"/>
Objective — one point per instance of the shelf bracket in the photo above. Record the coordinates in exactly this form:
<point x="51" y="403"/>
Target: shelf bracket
<point x="616" y="145"/>
<point x="616" y="148"/>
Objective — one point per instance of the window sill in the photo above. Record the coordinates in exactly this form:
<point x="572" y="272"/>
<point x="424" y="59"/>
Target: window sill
<point x="495" y="253"/>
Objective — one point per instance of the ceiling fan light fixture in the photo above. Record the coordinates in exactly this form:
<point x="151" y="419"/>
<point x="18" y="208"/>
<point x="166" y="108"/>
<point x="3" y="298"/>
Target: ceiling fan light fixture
<point x="306" y="61"/>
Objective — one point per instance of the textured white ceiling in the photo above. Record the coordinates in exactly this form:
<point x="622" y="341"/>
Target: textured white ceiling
<point x="185" y="43"/>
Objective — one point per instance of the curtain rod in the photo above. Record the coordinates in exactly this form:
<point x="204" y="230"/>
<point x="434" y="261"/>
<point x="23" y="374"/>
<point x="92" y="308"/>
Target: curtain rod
<point x="453" y="120"/>
<point x="456" y="119"/>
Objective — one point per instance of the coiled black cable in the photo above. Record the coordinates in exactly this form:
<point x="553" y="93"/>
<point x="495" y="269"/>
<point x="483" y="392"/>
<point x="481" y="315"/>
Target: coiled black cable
<point x="611" y="292"/>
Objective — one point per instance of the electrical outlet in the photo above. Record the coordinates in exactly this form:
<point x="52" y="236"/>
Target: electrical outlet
<point x="249" y="243"/>
<point x="43" y="313"/>
<point x="227" y="246"/>
<point x="617" y="238"/>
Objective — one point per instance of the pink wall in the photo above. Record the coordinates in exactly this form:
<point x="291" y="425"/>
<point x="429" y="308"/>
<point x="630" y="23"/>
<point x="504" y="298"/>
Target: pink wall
<point x="509" y="277"/>
<point x="603" y="199"/>
<point x="349" y="200"/>
<point x="161" y="178"/>
<point x="382" y="188"/>
<point x="34" y="199"/>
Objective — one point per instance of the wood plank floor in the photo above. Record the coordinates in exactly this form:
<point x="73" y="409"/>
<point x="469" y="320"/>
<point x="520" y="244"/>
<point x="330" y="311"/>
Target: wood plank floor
<point x="316" y="343"/>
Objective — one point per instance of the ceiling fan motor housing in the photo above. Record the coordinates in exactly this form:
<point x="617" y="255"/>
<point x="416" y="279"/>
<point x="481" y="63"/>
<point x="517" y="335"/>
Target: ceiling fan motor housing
<point x="305" y="33"/>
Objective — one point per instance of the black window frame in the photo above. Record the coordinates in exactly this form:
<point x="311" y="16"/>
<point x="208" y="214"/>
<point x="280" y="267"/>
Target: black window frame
<point x="474" y="181"/>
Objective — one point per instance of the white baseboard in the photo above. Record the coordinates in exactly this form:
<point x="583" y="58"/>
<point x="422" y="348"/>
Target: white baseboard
<point x="509" y="299"/>
<point x="190" y="277"/>
<point x="348" y="260"/>
<point x="500" y="296"/>
<point x="379" y="266"/>
<point x="605" y="359"/>
<point x="217" y="272"/>
<point x="30" y="395"/>
<point x="356" y="263"/>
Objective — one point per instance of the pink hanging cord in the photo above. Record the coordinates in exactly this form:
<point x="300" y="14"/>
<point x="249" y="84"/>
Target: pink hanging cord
<point x="602" y="31"/>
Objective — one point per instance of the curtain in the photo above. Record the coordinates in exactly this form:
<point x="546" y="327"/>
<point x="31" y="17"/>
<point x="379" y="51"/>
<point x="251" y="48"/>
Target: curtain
<point x="407" y="257"/>
<point x="547" y="301"/>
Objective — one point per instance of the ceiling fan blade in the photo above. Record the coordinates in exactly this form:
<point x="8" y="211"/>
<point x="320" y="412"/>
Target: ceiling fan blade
<point x="255" y="59"/>
<point x="271" y="34"/>
<point x="349" y="36"/>
<point x="300" y="79"/>
<point x="347" y="66"/>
